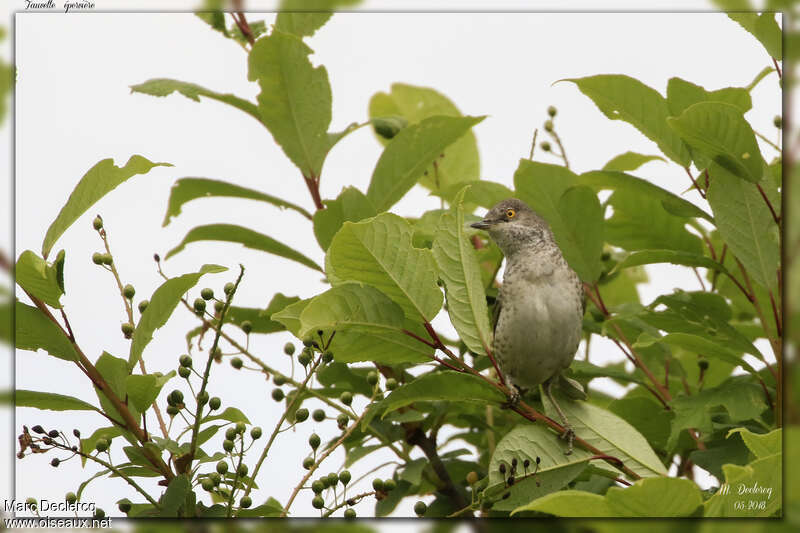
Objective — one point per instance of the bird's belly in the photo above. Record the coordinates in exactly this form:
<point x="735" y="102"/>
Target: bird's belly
<point x="538" y="334"/>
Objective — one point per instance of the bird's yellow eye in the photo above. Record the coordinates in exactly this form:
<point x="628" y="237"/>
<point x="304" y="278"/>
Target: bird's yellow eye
<point x="510" y="213"/>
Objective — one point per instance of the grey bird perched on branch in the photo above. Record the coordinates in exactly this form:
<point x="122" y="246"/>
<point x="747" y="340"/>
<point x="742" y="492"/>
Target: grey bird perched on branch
<point x="540" y="306"/>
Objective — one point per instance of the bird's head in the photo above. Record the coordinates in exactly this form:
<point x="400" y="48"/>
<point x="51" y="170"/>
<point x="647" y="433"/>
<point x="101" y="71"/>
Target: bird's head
<point x="512" y="225"/>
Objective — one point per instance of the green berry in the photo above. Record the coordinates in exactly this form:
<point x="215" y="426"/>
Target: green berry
<point x="301" y="415"/>
<point x="548" y="125"/>
<point x="107" y="259"/>
<point x="279" y="379"/>
<point x="391" y="384"/>
<point x="55" y="462"/>
<point x="305" y="357"/>
<point x="202" y="398"/>
<point x="308" y="343"/>
<point x="245" y="502"/>
<point x="552" y="111"/>
<point x="277" y="394"/>
<point x="333" y="478"/>
<point x="545" y="146"/>
<point x="308" y="462"/>
<point x="242" y="470"/>
<point x="184" y="372"/>
<point x="124" y="507"/>
<point x="215" y="477"/>
<point x="420" y="508"/>
<point x="288" y="348"/>
<point x="99" y="513"/>
<point x="326" y="481"/>
<point x="318" y="415"/>
<point x="185" y="360"/>
<point x="240" y="427"/>
<point x="346" y="398"/>
<point x="70" y="497"/>
<point x="176" y="396"/>
<point x="127" y="329"/>
<point x="317" y="486"/>
<point x="344" y="477"/>
<point x="389" y="484"/>
<point x="327" y="357"/>
<point x="31" y="503"/>
<point x="256" y="433"/>
<point x="218" y="306"/>
<point x="172" y="410"/>
<point x="143" y="305"/>
<point x="314" y="441"/>
<point x="236" y="363"/>
<point x="318" y="502"/>
<point x="372" y="378"/>
<point x="222" y="468"/>
<point x="199" y="305"/>
<point x="227" y="445"/>
<point x="229" y="287"/>
<point x="97" y="223"/>
<point x="128" y="291"/>
<point x="97" y="258"/>
<point x="349" y="513"/>
<point x="377" y="484"/>
<point x="206" y="294"/>
<point x="247" y="326"/>
<point x="101" y="445"/>
<point x="208" y="484"/>
<point x="388" y="127"/>
<point x="231" y="433"/>
<point x="214" y="403"/>
<point x="472" y="477"/>
<point x="342" y="420"/>
<point x="778" y="121"/>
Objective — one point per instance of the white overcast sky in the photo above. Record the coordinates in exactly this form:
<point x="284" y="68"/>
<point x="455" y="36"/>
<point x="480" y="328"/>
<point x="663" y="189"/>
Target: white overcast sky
<point x="74" y="108"/>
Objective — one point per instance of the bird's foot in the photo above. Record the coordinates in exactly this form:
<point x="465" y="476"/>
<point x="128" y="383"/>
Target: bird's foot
<point x="569" y="436"/>
<point x="513" y="397"/>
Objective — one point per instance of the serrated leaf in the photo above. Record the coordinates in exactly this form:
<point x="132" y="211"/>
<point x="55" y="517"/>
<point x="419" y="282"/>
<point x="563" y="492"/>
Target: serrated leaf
<point x="350" y="206"/>
<point x="458" y="267"/>
<point x="763" y="479"/>
<point x="378" y="252"/>
<point x="630" y="161"/>
<point x="163" y="302"/>
<point x="175" y="495"/>
<point x="610" y="180"/>
<point x="289" y="316"/>
<point x="244" y="236"/>
<point x="114" y="371"/>
<point x="272" y="508"/>
<point x="675" y="257"/>
<point x="583" y="223"/>
<point x="555" y="469"/>
<point x="621" y="97"/>
<point x="295" y="99"/>
<point x="699" y="345"/>
<point x="231" y="414"/>
<point x="610" y="434"/>
<point x="165" y="86"/>
<point x="260" y="318"/>
<point x="38" y="278"/>
<point x="305" y="17"/>
<point x="461" y="161"/>
<point x="720" y="132"/>
<point x="35" y="331"/>
<point x="413" y="150"/>
<point x="350" y="306"/>
<point x="746" y="225"/>
<point x="681" y="94"/>
<point x="760" y="444"/>
<point x="87" y="445"/>
<point x="143" y="390"/>
<point x="50" y="401"/>
<point x="187" y="189"/>
<point x="570" y="503"/>
<point x="481" y="193"/>
<point x="661" y="497"/>
<point x="98" y="181"/>
<point x="383" y="346"/>
<point x="764" y="28"/>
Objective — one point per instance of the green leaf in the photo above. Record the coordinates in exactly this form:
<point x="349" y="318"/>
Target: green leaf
<point x="163" y="302"/>
<point x="555" y="469"/>
<point x="187" y="189"/>
<point x="101" y="179"/>
<point x="114" y="371"/>
<point x="610" y="434"/>
<point x="762" y="479"/>
<point x="720" y="132"/>
<point x="583" y="223"/>
<point x="166" y="86"/>
<point x="481" y="193"/>
<point x="630" y="161"/>
<point x="144" y="389"/>
<point x="647" y="416"/>
<point x="608" y="180"/>
<point x="746" y="225"/>
<point x="260" y="318"/>
<point x="213" y="15"/>
<point x="764" y="28"/>
<point x="289" y="316"/>
<point x="175" y="495"/>
<point x="88" y="444"/>
<point x="760" y="444"/>
<point x="378" y="252"/>
<point x="244" y="236"/>
<point x="661" y="497"/>
<point x="350" y="206"/>
<point x="301" y="24"/>
<point x="35" y="331"/>
<point x="39" y="279"/>
<point x="681" y="94"/>
<point x="50" y="401"/>
<point x="257" y="28"/>
<point x="295" y="99"/>
<point x="621" y="97"/>
<point x="442" y="386"/>
<point x="231" y="414"/>
<point x="461" y="162"/>
<point x="460" y="271"/>
<point x="675" y="257"/>
<point x="570" y="503"/>
<point x="699" y="345"/>
<point x="272" y="508"/>
<point x="640" y="222"/>
<point x="407" y="156"/>
<point x="384" y="346"/>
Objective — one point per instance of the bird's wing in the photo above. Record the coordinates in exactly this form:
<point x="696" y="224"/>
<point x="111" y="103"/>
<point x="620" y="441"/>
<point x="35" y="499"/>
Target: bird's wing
<point x="496" y="312"/>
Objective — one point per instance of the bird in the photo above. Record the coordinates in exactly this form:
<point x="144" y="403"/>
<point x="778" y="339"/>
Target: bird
<point x="538" y="314"/>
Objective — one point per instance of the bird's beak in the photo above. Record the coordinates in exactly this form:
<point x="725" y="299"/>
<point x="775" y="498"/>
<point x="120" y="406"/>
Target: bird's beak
<point x="483" y="224"/>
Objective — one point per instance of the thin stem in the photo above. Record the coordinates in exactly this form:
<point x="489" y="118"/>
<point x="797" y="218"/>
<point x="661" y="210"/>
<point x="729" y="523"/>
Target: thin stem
<point x="774" y="342"/>
<point x="775" y="216"/>
<point x="763" y="138"/>
<point x="696" y="186"/>
<point x="349" y="502"/>
<point x="697" y="274"/>
<point x="777" y="68"/>
<point x="775" y="314"/>
<point x="560" y="147"/>
<point x="533" y="144"/>
<point x="313" y="187"/>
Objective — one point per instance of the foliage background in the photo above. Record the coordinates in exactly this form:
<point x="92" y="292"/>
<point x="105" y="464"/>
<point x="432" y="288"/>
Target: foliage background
<point x="160" y="128"/>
